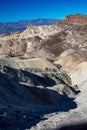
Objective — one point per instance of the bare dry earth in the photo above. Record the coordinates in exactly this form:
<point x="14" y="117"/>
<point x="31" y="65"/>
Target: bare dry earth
<point x="43" y="47"/>
<point x="75" y="62"/>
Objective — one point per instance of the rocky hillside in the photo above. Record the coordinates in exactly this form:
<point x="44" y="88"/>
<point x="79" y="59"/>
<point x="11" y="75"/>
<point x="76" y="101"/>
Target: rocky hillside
<point x="47" y="39"/>
<point x="27" y="94"/>
<point x="42" y="71"/>
<point x="64" y="43"/>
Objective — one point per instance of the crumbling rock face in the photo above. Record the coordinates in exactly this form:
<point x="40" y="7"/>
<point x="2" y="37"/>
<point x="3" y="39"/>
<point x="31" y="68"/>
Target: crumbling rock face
<point x="77" y="19"/>
<point x="42" y="31"/>
<point x="69" y="38"/>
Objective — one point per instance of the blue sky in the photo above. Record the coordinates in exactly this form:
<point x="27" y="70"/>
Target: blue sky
<point x="15" y="10"/>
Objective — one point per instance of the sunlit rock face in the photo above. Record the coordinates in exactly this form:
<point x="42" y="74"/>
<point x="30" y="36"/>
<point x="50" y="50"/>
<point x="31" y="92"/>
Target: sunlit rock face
<point x="41" y="31"/>
<point x="77" y="19"/>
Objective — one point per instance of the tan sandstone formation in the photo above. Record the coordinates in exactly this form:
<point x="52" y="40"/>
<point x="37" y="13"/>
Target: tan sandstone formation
<point x="77" y="19"/>
<point x="75" y="62"/>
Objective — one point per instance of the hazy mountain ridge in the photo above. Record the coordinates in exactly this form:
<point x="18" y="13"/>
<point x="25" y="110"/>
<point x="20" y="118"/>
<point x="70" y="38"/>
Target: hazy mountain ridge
<point x="9" y="27"/>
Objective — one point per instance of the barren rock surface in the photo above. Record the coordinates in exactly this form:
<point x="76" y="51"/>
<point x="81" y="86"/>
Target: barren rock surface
<point x="77" y="19"/>
<point x="43" y="77"/>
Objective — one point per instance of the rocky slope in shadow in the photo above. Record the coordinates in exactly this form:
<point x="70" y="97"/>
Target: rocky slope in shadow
<point x="26" y="95"/>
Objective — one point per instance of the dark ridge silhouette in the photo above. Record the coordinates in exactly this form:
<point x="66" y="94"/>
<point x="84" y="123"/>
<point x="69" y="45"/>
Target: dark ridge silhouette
<point x="80" y="126"/>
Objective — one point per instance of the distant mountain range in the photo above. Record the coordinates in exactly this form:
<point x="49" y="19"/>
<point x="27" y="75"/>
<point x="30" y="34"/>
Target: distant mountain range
<point x="9" y="27"/>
